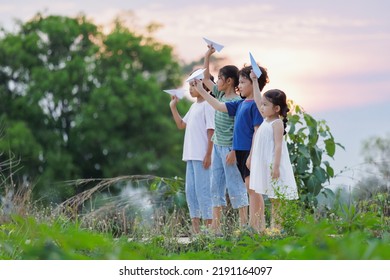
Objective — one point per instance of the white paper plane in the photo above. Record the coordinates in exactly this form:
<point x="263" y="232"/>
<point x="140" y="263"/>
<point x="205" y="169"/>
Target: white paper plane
<point x="179" y="92"/>
<point x="255" y="67"/>
<point x="198" y="74"/>
<point x="216" y="46"/>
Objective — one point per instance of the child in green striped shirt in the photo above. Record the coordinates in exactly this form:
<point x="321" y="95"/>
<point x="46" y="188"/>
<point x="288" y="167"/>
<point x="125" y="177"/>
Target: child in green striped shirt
<point x="225" y="176"/>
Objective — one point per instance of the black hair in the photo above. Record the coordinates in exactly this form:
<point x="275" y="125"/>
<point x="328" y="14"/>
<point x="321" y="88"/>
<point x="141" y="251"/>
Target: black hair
<point x="230" y="71"/>
<point x="262" y="80"/>
<point x="278" y="98"/>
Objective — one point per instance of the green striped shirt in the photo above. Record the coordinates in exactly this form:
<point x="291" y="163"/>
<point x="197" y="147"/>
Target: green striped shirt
<point x="224" y="124"/>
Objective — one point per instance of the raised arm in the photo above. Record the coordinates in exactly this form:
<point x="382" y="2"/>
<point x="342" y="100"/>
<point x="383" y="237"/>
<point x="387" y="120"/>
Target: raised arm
<point x="206" y="65"/>
<point x="176" y="116"/>
<point x="256" y="89"/>
<point x="219" y="106"/>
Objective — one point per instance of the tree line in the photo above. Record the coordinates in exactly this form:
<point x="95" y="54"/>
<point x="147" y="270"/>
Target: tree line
<point x="78" y="103"/>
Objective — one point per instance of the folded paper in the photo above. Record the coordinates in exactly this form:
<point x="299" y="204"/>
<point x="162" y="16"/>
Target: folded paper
<point x="179" y="92"/>
<point x="197" y="75"/>
<point x="216" y="46"/>
<point x="254" y="65"/>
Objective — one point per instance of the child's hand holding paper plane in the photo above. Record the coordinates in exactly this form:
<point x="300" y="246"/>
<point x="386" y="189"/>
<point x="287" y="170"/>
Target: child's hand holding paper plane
<point x="216" y="46"/>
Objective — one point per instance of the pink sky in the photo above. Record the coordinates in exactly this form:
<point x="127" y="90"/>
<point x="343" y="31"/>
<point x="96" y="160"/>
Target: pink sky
<point x="324" y="55"/>
<point x="328" y="56"/>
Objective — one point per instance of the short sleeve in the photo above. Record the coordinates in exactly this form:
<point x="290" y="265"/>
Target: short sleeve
<point x="185" y="118"/>
<point x="232" y="107"/>
<point x="209" y="116"/>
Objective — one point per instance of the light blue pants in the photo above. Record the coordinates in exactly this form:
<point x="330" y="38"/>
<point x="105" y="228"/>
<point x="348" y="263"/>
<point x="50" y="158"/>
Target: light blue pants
<point x="198" y="192"/>
<point x="226" y="177"/>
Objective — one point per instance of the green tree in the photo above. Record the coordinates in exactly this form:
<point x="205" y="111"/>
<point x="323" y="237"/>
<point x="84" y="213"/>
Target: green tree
<point x="77" y="103"/>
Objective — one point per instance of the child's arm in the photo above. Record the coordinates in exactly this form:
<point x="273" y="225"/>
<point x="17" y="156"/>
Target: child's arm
<point x="248" y="160"/>
<point x="206" y="64"/>
<point x="176" y="116"/>
<point x="217" y="105"/>
<point x="207" y="158"/>
<point x="256" y="89"/>
<point x="278" y="138"/>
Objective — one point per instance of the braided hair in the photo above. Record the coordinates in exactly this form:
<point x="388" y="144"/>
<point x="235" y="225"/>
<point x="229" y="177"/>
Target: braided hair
<point x="278" y="98"/>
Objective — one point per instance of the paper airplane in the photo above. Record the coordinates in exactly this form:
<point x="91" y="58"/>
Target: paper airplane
<point x="216" y="46"/>
<point x="179" y="92"/>
<point x="198" y="75"/>
<point x="255" y="67"/>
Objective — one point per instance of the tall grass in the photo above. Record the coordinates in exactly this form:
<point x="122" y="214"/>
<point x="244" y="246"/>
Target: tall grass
<point x="145" y="217"/>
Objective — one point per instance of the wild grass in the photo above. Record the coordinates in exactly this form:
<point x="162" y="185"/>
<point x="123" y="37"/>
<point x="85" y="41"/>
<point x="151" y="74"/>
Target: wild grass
<point x="145" y="217"/>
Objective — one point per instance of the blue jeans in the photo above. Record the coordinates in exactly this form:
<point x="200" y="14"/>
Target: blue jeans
<point x="198" y="192"/>
<point x="226" y="177"/>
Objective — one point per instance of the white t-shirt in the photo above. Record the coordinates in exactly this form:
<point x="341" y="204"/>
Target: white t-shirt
<point x="199" y="118"/>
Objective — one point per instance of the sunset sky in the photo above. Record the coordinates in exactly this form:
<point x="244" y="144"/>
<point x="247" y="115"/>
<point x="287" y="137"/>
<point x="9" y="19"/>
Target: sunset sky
<point x="331" y="57"/>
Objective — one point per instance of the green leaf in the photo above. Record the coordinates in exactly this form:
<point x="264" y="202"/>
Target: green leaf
<point x="303" y="151"/>
<point x="341" y="146"/>
<point x="316" y="155"/>
<point x="310" y="121"/>
<point x="313" y="136"/>
<point x="329" y="169"/>
<point x="330" y="146"/>
<point x="320" y="174"/>
<point x="302" y="165"/>
<point x="313" y="185"/>
<point x="294" y="119"/>
<point x="328" y="193"/>
<point x="292" y="128"/>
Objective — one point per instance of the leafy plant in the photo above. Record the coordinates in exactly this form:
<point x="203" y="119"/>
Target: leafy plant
<point x="310" y="142"/>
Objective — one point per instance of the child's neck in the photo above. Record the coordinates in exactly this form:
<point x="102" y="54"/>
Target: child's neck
<point x="229" y="93"/>
<point x="273" y="117"/>
<point x="199" y="99"/>
<point x="250" y="97"/>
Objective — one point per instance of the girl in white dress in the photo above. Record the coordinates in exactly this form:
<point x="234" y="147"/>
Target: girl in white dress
<point x="269" y="161"/>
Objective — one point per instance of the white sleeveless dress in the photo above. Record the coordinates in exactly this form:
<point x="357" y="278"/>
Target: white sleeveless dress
<point x="261" y="163"/>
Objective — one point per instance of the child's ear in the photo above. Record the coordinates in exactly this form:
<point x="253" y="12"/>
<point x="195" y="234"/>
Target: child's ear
<point x="277" y="108"/>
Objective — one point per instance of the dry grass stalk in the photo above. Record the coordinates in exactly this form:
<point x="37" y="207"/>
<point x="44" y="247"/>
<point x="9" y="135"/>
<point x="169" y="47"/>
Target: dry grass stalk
<point x="72" y="205"/>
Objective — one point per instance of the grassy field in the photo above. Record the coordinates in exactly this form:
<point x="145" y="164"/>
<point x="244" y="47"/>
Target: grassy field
<point x="365" y="237"/>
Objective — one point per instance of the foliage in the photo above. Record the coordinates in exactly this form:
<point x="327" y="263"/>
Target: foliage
<point x="123" y="204"/>
<point x="309" y="143"/>
<point x="28" y="239"/>
<point x="376" y="151"/>
<point x="349" y="231"/>
<point x="77" y="103"/>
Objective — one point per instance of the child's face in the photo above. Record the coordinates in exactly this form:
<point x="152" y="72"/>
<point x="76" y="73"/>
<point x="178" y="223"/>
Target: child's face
<point x="193" y="91"/>
<point x="221" y="83"/>
<point x="267" y="109"/>
<point x="245" y="87"/>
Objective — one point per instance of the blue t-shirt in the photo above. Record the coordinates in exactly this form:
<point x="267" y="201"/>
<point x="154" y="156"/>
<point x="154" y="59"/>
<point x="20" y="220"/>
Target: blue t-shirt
<point x="247" y="116"/>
